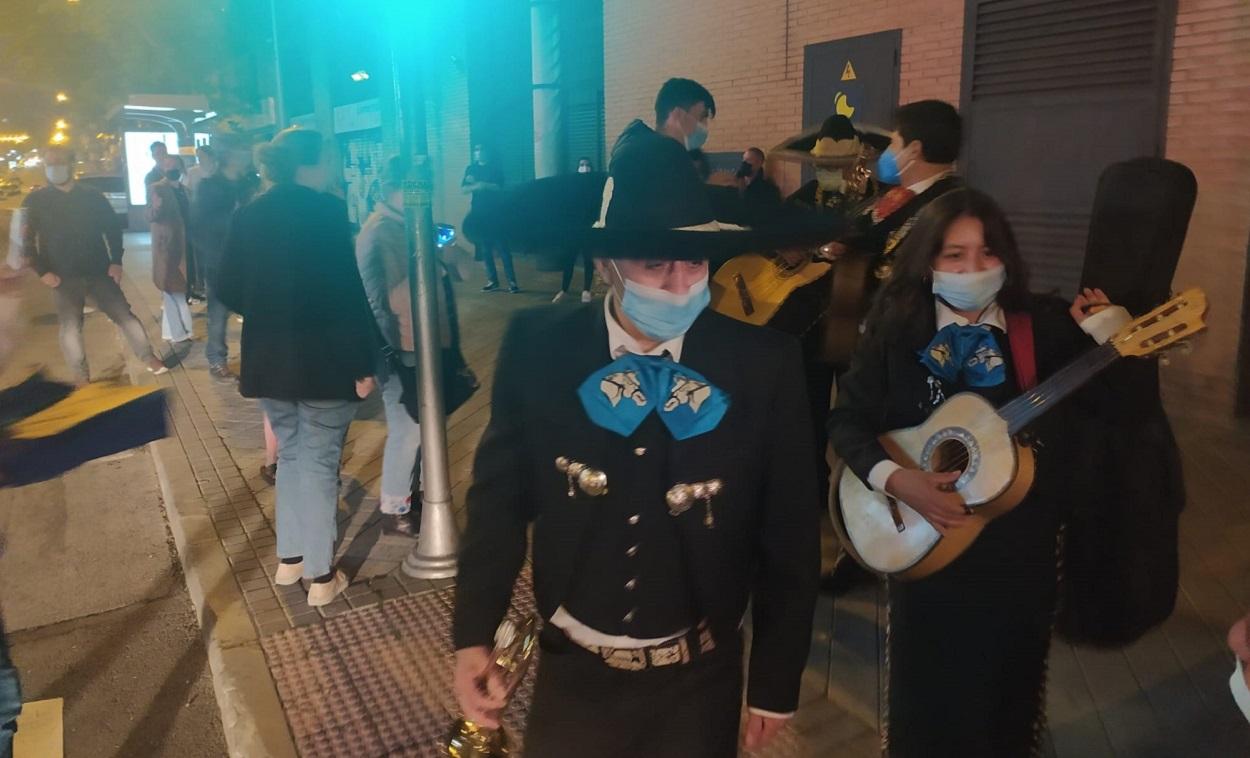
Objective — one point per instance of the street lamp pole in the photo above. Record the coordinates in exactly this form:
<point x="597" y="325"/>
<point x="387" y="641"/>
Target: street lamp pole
<point x="279" y="100"/>
<point x="435" y="555"/>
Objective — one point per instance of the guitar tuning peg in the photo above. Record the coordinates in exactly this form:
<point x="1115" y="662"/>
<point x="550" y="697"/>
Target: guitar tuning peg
<point x="1185" y="346"/>
<point x="1165" y="359"/>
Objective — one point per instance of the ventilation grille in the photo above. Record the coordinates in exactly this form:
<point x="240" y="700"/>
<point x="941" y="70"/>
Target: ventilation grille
<point x="1027" y="46"/>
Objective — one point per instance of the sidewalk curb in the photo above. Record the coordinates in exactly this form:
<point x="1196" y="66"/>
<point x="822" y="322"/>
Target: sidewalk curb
<point x="251" y="713"/>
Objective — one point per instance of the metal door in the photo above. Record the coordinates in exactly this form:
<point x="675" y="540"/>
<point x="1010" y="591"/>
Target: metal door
<point x="856" y="76"/>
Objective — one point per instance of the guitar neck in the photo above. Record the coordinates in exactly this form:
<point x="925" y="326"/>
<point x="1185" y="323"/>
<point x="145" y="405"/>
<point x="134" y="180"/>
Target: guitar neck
<point x="1020" y="412"/>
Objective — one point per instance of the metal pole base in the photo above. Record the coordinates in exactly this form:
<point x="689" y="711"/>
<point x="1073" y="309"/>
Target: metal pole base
<point x="435" y="556"/>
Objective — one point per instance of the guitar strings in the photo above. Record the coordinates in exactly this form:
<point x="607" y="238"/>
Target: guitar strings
<point x="1024" y="408"/>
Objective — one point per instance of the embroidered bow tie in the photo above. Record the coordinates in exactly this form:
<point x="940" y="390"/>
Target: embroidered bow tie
<point x="968" y="352"/>
<point x="619" y="396"/>
<point x="891" y="202"/>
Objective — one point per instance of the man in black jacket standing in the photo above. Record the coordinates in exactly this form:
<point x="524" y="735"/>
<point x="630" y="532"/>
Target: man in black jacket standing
<point x="660" y="451"/>
<point x="74" y="242"/>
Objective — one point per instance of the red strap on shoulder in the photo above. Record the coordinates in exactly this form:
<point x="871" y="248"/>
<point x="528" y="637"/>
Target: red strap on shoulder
<point x="1023" y="358"/>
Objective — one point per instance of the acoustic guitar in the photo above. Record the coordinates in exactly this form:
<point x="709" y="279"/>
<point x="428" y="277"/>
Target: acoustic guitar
<point x="752" y="287"/>
<point x="969" y="435"/>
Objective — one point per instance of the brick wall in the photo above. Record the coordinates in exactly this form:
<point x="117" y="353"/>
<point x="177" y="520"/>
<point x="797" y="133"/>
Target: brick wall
<point x="1209" y="131"/>
<point x="749" y="53"/>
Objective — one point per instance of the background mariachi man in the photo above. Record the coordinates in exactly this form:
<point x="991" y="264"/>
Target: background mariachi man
<point x="918" y="167"/>
<point x="657" y="514"/>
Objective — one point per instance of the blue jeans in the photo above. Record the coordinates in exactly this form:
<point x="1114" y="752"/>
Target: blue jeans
<point x="403" y="443"/>
<point x="310" y="444"/>
<point x="175" y="317"/>
<point x="488" y="260"/>
<point x="218" y="316"/>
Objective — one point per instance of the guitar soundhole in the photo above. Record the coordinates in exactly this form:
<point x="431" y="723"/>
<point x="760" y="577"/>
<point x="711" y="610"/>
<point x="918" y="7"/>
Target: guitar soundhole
<point x="950" y="455"/>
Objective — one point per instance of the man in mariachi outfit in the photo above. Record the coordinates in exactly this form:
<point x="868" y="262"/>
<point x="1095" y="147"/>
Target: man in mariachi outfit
<point x="920" y="164"/>
<point x="657" y="450"/>
<point x="838" y="154"/>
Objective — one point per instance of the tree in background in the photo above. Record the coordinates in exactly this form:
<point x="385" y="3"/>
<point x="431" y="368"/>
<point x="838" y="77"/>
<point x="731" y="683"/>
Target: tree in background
<point x="101" y="51"/>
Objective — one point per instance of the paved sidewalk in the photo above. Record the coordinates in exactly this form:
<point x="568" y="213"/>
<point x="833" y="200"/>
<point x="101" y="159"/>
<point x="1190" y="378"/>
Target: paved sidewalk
<point x="368" y="674"/>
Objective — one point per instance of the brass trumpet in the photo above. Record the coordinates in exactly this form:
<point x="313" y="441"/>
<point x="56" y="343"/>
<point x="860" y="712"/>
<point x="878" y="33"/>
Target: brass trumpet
<point x="510" y="659"/>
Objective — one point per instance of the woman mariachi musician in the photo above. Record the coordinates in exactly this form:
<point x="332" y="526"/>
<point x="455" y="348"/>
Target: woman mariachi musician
<point x="975" y="635"/>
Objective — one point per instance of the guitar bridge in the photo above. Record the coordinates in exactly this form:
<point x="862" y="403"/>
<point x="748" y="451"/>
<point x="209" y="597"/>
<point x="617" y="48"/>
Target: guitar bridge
<point x="895" y="515"/>
<point x="748" y="306"/>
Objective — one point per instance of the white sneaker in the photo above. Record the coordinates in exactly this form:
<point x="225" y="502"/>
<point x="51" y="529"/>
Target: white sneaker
<point x="288" y="573"/>
<point x="559" y="296"/>
<point x="323" y="593"/>
<point x="585" y="296"/>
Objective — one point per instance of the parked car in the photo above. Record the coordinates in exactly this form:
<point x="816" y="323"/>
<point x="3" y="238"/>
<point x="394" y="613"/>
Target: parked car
<point x="114" y="189"/>
<point x="10" y="186"/>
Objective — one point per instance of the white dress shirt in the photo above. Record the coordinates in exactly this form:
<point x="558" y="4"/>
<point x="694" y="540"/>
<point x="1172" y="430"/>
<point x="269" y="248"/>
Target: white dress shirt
<point x="925" y="184"/>
<point x="1101" y="326"/>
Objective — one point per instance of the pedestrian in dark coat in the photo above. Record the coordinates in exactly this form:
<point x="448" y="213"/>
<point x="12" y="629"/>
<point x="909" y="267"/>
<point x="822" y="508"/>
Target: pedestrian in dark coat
<point x="308" y="344"/>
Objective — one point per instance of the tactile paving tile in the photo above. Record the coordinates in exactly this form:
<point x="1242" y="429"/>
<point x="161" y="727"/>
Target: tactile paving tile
<point x="377" y="681"/>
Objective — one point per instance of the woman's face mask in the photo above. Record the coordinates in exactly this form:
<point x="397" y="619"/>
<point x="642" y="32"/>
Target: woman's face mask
<point x="969" y="292"/>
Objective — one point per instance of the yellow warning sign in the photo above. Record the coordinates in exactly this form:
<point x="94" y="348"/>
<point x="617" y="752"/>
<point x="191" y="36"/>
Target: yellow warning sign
<point x="848" y="73"/>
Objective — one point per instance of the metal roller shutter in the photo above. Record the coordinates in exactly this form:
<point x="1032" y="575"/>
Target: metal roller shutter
<point x="1053" y="92"/>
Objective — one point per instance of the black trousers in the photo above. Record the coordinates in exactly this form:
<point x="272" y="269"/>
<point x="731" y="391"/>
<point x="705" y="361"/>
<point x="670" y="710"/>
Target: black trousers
<point x="582" y="707"/>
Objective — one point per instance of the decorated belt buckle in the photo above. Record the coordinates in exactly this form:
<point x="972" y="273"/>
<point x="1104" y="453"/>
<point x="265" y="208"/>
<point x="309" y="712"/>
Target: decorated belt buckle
<point x="624" y="658"/>
<point x="667" y="655"/>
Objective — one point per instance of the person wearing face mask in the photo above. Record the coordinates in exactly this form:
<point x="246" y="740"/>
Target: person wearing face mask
<point x="760" y="195"/>
<point x="684" y="110"/>
<point x="483" y="179"/>
<point x="957" y="316"/>
<point x="73" y="241"/>
<point x="656" y="451"/>
<point x="833" y="154"/>
<point x="919" y="167"/>
<point x="167" y="214"/>
<point x="308" y="348"/>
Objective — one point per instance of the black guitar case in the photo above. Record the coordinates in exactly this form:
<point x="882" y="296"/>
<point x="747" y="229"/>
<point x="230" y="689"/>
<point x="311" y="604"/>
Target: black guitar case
<point x="1121" y="565"/>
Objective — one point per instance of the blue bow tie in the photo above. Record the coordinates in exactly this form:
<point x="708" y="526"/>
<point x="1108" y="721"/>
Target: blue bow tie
<point x="619" y="396"/>
<point x="967" y="352"/>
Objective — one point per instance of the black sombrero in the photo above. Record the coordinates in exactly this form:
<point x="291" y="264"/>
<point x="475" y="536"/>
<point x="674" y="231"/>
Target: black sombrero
<point x="834" y="144"/>
<point x="651" y="204"/>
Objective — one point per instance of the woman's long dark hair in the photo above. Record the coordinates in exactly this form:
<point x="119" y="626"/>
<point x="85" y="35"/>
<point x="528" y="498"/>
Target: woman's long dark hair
<point x="908" y="294"/>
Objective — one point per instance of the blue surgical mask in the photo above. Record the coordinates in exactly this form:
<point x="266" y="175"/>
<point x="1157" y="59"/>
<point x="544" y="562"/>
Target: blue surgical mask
<point x="969" y="292"/>
<point x="661" y="314"/>
<point x="698" y="137"/>
<point x="887" y="167"/>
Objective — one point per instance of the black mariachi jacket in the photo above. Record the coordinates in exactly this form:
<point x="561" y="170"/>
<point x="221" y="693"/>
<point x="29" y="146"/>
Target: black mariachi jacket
<point x="884" y="236"/>
<point x="764" y="546"/>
